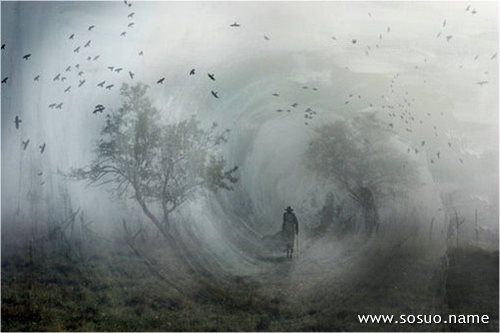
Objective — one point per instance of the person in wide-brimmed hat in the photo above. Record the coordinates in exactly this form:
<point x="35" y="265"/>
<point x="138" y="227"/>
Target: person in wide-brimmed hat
<point x="290" y="230"/>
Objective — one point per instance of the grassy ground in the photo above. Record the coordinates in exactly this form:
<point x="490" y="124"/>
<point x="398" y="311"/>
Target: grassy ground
<point x="114" y="291"/>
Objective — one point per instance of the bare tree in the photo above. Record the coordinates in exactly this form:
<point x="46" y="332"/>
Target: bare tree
<point x="160" y="165"/>
<point x="358" y="155"/>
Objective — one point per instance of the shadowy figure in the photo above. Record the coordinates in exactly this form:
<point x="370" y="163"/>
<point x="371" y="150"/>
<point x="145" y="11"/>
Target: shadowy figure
<point x="289" y="230"/>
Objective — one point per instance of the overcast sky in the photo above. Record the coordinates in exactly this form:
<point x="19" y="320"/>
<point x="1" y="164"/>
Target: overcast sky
<point x="308" y="44"/>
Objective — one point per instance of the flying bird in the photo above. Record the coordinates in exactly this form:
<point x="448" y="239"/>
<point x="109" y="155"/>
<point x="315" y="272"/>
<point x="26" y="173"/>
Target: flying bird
<point x="80" y="73"/>
<point x="71" y="36"/>
<point x="4" y="80"/>
<point x="51" y="106"/>
<point x="192" y="72"/>
<point x="87" y="44"/>
<point x="141" y="53"/>
<point x="96" y="57"/>
<point x="294" y="105"/>
<point x="111" y="68"/>
<point x="99" y="108"/>
<point x="68" y="69"/>
<point x="214" y="93"/>
<point x="235" y="25"/>
<point x="448" y="38"/>
<point x="354" y="41"/>
<point x="67" y="89"/>
<point x="334" y="38"/>
<point x="110" y="86"/>
<point x="131" y="74"/>
<point x="77" y="49"/>
<point x="422" y="143"/>
<point x="25" y="144"/>
<point x="17" y="121"/>
<point x="473" y="11"/>
<point x="211" y="76"/>
<point x="63" y="78"/>
<point x="118" y="70"/>
<point x="26" y="56"/>
<point x="101" y="84"/>
<point x="160" y="81"/>
<point x="37" y="77"/>
<point x="467" y="9"/>
<point x="276" y="94"/>
<point x="482" y="82"/>
<point x="266" y="38"/>
<point x="59" y="106"/>
<point x="131" y="24"/>
<point x="81" y="83"/>
<point x="494" y="56"/>
<point x="40" y="173"/>
<point x="91" y="27"/>
<point x="131" y="15"/>
<point x="444" y="23"/>
<point x="123" y="34"/>
<point x="3" y="46"/>
<point x="42" y="148"/>
<point x="77" y="66"/>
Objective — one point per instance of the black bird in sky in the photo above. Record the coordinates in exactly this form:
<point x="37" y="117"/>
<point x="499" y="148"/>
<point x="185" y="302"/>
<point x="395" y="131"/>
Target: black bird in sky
<point x="118" y="70"/>
<point x="141" y="53"/>
<point x="214" y="93"/>
<point x="77" y="49"/>
<point x="71" y="36"/>
<point x="4" y="80"/>
<point x="25" y="144"/>
<point x="96" y="57"/>
<point x="131" y="15"/>
<point x="91" y="27"/>
<point x="80" y="73"/>
<point x="101" y="84"/>
<point x="235" y="25"/>
<point x="131" y="74"/>
<point x="81" y="83"/>
<point x="42" y="148"/>
<point x="77" y="66"/>
<point x="40" y="173"/>
<point x="63" y="78"/>
<point x="67" y="89"/>
<point x="89" y="58"/>
<point x="111" y="68"/>
<point x="266" y="38"/>
<point x="211" y="76"/>
<point x="423" y="143"/>
<point x="17" y="121"/>
<point x="192" y="72"/>
<point x="26" y="56"/>
<point x="110" y="86"/>
<point x="123" y="33"/>
<point x="99" y="108"/>
<point x="59" y="106"/>
<point x="354" y="41"/>
<point x="294" y="105"/>
<point x="482" y="82"/>
<point x="448" y="38"/>
<point x="276" y="94"/>
<point x="51" y="106"/>
<point x="494" y="56"/>
<point x="3" y="46"/>
<point x="68" y="69"/>
<point x="438" y="154"/>
<point x="87" y="44"/>
<point x="160" y="81"/>
<point x="131" y="24"/>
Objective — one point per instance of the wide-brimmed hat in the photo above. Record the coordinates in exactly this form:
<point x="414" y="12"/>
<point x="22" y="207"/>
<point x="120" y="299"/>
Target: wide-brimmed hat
<point x="289" y="209"/>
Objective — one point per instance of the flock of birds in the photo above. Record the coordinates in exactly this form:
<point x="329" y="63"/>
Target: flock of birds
<point x="399" y="112"/>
